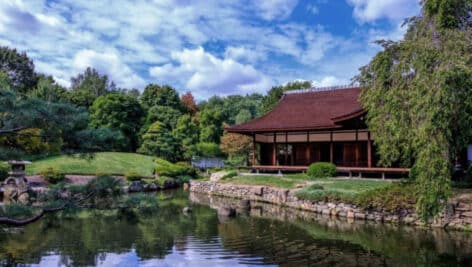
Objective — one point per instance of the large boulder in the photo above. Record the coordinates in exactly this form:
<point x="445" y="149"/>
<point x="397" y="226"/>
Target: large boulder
<point x="136" y="186"/>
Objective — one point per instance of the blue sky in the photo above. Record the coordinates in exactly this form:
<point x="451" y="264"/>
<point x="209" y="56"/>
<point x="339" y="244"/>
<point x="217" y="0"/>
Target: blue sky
<point x="203" y="46"/>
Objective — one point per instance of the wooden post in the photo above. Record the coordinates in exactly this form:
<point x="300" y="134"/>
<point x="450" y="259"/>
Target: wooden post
<point x="286" y="148"/>
<point x="308" y="153"/>
<point x="274" y="151"/>
<point x="253" y="149"/>
<point x="331" y="147"/>
<point x="369" y="151"/>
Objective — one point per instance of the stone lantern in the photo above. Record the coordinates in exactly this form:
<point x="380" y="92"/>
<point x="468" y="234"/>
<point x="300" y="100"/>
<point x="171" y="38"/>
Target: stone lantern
<point x="15" y="188"/>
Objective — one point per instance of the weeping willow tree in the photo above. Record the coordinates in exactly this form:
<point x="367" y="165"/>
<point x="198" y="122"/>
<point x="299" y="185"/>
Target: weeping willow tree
<point x="418" y="94"/>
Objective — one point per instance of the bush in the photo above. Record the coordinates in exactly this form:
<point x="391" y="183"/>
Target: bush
<point x="4" y="169"/>
<point x="209" y="150"/>
<point x="52" y="176"/>
<point x="166" y="168"/>
<point x="391" y="198"/>
<point x="132" y="176"/>
<point x="184" y="179"/>
<point x="229" y="175"/>
<point x="321" y="170"/>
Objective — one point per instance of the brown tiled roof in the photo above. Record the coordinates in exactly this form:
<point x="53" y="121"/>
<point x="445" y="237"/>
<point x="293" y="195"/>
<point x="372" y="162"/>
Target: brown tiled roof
<point x="306" y="110"/>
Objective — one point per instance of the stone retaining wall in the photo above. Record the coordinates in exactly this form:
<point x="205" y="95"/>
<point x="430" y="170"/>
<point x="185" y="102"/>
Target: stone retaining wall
<point x="457" y="215"/>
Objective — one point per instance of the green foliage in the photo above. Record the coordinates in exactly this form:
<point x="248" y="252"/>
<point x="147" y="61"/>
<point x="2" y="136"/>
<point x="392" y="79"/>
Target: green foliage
<point x="275" y="93"/>
<point x="158" y="141"/>
<point x="418" y="94"/>
<point x="118" y="112"/>
<point x="321" y="170"/>
<point x="229" y="175"/>
<point x="87" y="86"/>
<point x="186" y="132"/>
<point x="19" y="68"/>
<point x="52" y="175"/>
<point x="243" y="116"/>
<point x="391" y="198"/>
<point x="5" y="82"/>
<point x="168" y="116"/>
<point x="48" y="90"/>
<point x="142" y="202"/>
<point x="16" y="211"/>
<point x="166" y="168"/>
<point x="104" y="186"/>
<point x="211" y="127"/>
<point x="232" y="105"/>
<point x="155" y="95"/>
<point x="209" y="150"/>
<point x="132" y="176"/>
<point x="4" y="169"/>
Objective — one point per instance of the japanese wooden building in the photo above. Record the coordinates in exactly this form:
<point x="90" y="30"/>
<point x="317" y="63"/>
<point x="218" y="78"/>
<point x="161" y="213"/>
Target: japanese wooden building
<point x="312" y="125"/>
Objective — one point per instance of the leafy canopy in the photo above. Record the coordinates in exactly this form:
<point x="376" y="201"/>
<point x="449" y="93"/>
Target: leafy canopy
<point x="418" y="93"/>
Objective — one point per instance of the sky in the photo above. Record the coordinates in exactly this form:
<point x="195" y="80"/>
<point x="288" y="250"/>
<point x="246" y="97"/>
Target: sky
<point x="203" y="46"/>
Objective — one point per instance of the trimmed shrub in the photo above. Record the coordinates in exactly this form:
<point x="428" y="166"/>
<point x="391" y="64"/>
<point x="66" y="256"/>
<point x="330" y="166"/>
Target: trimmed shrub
<point x="166" y="168"/>
<point x="4" y="169"/>
<point x="321" y="170"/>
<point x="132" y="176"/>
<point x="52" y="176"/>
<point x="208" y="150"/>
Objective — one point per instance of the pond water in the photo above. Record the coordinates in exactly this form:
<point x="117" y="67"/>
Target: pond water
<point x="267" y="235"/>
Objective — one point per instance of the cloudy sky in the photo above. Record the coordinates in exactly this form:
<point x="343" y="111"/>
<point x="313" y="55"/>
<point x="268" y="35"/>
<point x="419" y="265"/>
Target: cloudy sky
<point x="203" y="46"/>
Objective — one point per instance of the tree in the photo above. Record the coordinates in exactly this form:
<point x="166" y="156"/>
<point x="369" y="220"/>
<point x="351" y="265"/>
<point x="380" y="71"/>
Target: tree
<point x="243" y="116"/>
<point x="418" y="94"/>
<point x="155" y="95"/>
<point x="158" y="141"/>
<point x="237" y="146"/>
<point x="118" y="112"/>
<point x="5" y="82"/>
<point x="47" y="89"/>
<point x="275" y="93"/>
<point x="188" y="103"/>
<point x="19" y="68"/>
<point x="56" y="121"/>
<point x="210" y="126"/>
<point x="186" y="131"/>
<point x="165" y="114"/>
<point x="87" y="86"/>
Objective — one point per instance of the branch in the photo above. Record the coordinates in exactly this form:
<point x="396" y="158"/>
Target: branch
<point x="8" y="221"/>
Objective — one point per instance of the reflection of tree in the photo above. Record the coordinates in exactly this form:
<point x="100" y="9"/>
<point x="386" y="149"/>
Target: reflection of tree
<point x="85" y="237"/>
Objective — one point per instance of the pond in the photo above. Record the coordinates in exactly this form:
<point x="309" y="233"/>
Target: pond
<point x="266" y="235"/>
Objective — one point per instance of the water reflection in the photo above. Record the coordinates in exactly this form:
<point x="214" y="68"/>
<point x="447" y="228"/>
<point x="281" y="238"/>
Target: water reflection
<point x="267" y="235"/>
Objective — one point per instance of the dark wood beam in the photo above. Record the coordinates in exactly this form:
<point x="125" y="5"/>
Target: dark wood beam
<point x="369" y="151"/>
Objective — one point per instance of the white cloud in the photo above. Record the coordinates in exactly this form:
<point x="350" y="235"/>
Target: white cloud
<point x="313" y="9"/>
<point x="371" y="10"/>
<point x="206" y="74"/>
<point x="275" y="9"/>
<point x="329" y="81"/>
<point x="239" y="53"/>
<point x="108" y="63"/>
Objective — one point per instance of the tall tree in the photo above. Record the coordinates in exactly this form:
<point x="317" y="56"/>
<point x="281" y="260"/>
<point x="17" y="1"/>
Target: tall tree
<point x="237" y="147"/>
<point x="211" y="127"/>
<point x="187" y="132"/>
<point x="19" y="68"/>
<point x="158" y="141"/>
<point x="418" y="93"/>
<point x="188" y="103"/>
<point x="48" y="90"/>
<point x="118" y="112"/>
<point x="155" y="95"/>
<point x="275" y="93"/>
<point x="88" y="86"/>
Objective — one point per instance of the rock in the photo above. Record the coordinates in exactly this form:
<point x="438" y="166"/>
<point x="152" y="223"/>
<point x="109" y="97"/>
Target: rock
<point x="257" y="190"/>
<point x="467" y="214"/>
<point x="153" y="187"/>
<point x="170" y="183"/>
<point x="350" y="214"/>
<point x="216" y="176"/>
<point x="186" y="186"/>
<point x="245" y="204"/>
<point x="226" y="211"/>
<point x="135" y="186"/>
<point x="359" y="215"/>
<point x="187" y="210"/>
<point x="326" y="212"/>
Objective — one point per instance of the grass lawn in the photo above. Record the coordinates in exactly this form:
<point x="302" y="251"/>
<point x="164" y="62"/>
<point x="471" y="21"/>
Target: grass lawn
<point x="341" y="185"/>
<point x="285" y="181"/>
<point x="104" y="162"/>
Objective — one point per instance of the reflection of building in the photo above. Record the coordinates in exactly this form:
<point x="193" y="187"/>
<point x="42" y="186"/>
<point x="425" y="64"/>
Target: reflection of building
<point x="306" y="126"/>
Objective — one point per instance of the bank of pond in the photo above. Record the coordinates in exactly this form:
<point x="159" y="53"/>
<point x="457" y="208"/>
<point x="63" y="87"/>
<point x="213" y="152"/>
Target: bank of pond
<point x="265" y="234"/>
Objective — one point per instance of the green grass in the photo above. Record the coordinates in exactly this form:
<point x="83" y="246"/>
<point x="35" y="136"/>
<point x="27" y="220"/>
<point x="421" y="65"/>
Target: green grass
<point x="105" y="162"/>
<point x="268" y="180"/>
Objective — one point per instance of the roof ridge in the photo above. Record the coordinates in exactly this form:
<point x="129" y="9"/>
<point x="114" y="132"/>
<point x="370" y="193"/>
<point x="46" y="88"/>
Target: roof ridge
<point x="321" y="89"/>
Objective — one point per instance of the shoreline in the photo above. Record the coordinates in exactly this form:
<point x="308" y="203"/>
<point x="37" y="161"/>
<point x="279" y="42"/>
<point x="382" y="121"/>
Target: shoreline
<point x="457" y="214"/>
